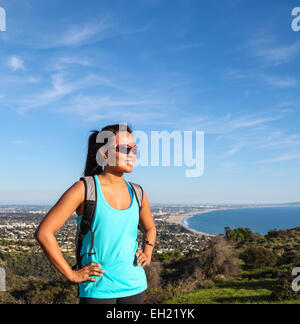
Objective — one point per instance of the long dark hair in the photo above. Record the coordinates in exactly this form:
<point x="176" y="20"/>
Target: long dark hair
<point x="91" y="165"/>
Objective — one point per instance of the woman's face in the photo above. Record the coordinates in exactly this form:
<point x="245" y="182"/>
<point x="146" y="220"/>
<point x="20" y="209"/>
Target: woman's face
<point x="118" y="161"/>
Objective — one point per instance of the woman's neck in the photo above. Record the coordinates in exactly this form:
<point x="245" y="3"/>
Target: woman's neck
<point x="112" y="177"/>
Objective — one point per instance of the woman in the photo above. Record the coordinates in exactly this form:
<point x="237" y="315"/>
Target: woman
<point x="115" y="272"/>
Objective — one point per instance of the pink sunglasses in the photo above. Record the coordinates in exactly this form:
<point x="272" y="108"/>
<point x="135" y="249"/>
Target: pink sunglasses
<point x="125" y="149"/>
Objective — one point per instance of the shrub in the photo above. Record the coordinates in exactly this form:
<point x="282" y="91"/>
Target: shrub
<point x="45" y="292"/>
<point x="290" y="257"/>
<point x="273" y="234"/>
<point x="217" y="262"/>
<point x="283" y="291"/>
<point x="153" y="274"/>
<point x="167" y="256"/>
<point x="278" y="234"/>
<point x="258" y="257"/>
<point x="220" y="259"/>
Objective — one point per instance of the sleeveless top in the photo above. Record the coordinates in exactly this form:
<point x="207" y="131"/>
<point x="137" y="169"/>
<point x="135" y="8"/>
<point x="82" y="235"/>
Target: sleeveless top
<point x="115" y="244"/>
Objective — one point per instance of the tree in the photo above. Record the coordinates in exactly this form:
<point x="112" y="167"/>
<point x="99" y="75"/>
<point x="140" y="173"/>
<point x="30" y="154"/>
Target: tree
<point x="239" y="235"/>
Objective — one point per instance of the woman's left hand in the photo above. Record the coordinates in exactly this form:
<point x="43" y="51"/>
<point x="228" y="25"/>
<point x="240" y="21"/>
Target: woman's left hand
<point x="143" y="258"/>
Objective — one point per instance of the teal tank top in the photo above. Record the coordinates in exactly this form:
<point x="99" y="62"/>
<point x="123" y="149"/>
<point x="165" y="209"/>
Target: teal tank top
<point x="115" y="244"/>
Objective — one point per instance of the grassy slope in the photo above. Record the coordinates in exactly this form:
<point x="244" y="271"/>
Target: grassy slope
<point x="245" y="290"/>
<point x="239" y="291"/>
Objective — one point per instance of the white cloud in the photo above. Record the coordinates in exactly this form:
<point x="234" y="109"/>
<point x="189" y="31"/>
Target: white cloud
<point x="227" y="124"/>
<point x="280" y="82"/>
<point x="268" y="51"/>
<point x="92" y="108"/>
<point x="60" y="88"/>
<point x="66" y="61"/>
<point x="104" y="27"/>
<point x="278" y="54"/>
<point x="252" y="132"/>
<point x="251" y="121"/>
<point x="274" y="81"/>
<point x="282" y="158"/>
<point x="232" y="151"/>
<point x="79" y="35"/>
<point x="18" y="142"/>
<point x="185" y="46"/>
<point x="16" y="63"/>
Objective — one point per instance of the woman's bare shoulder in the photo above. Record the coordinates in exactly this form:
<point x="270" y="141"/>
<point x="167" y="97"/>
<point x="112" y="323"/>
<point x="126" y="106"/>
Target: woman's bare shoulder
<point x="79" y="190"/>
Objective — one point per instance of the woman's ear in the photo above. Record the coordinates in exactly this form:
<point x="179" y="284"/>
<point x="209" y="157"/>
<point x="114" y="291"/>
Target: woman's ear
<point x="102" y="157"/>
<point x="103" y="152"/>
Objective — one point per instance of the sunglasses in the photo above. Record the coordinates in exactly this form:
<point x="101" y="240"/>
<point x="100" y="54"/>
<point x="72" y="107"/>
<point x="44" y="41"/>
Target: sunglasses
<point x="126" y="149"/>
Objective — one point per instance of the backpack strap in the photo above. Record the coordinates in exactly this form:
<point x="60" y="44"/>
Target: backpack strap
<point x="90" y="203"/>
<point x="139" y="193"/>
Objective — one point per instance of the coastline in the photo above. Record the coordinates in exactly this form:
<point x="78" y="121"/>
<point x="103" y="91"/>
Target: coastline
<point x="179" y="220"/>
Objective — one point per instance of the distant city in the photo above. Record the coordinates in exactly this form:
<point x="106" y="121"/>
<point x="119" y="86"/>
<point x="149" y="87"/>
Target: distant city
<point x="19" y="222"/>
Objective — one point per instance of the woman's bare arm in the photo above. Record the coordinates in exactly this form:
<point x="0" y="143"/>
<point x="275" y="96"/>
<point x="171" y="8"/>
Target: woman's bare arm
<point x="148" y="225"/>
<point x="53" y="221"/>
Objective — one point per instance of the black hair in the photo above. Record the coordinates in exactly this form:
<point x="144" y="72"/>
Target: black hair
<point x="91" y="165"/>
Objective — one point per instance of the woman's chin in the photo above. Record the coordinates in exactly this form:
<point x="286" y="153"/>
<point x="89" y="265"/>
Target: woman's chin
<point x="129" y="168"/>
<point x="126" y="168"/>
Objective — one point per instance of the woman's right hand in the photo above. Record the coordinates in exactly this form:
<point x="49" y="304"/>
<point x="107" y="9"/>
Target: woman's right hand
<point x="84" y="274"/>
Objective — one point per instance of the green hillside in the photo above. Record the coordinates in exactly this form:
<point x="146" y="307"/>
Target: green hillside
<point x="240" y="267"/>
<point x="266" y="278"/>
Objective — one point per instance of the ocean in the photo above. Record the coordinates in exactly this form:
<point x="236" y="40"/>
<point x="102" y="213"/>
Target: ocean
<point x="259" y="220"/>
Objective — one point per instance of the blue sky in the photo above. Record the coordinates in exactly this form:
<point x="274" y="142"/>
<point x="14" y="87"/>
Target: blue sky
<point x="228" y="68"/>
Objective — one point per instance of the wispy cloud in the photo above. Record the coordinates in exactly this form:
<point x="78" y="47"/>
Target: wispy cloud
<point x="79" y="97"/>
<point x="253" y="132"/>
<point x="280" y="82"/>
<point x="281" y="158"/>
<point x="231" y="151"/>
<point x="79" y="35"/>
<point x="185" y="46"/>
<point x="104" y="27"/>
<point x="18" y="142"/>
<point x="60" y="87"/>
<point x="247" y="121"/>
<point x="92" y="108"/>
<point x="270" y="80"/>
<point x="65" y="62"/>
<point x="220" y="125"/>
<point x="278" y="139"/>
<point x="269" y="51"/>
